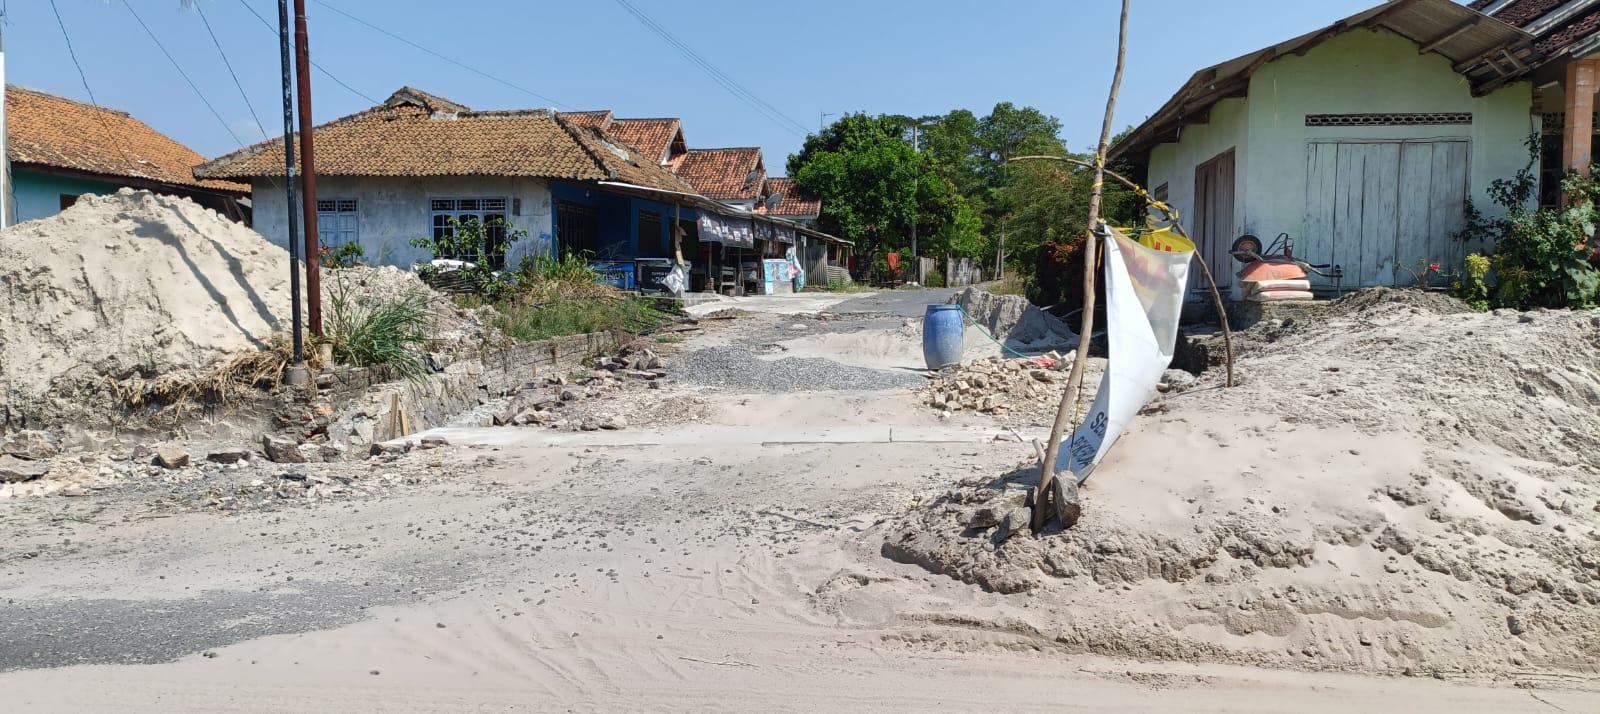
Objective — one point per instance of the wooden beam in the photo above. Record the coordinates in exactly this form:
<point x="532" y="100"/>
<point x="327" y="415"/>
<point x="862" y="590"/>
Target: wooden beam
<point x="1448" y="36"/>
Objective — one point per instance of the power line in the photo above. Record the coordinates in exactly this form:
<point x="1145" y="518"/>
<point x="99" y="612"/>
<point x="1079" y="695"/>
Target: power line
<point x="84" y="77"/>
<point x="181" y="73"/>
<point x="721" y="78"/>
<point x="744" y="95"/>
<point x="240" y="85"/>
<point x="274" y="30"/>
<point x="457" y="63"/>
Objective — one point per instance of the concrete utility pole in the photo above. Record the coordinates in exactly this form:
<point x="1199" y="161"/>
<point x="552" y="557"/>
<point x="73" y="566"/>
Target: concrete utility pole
<point x="916" y="147"/>
<point x="296" y="374"/>
<point x="308" y="173"/>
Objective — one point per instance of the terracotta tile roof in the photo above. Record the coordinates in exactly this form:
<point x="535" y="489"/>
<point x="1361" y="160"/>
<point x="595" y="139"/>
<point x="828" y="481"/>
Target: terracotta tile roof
<point x="1552" y="40"/>
<point x="795" y="202"/>
<point x="723" y="174"/>
<point x="598" y="119"/>
<point x="54" y="132"/>
<point x="416" y="135"/>
<point x="653" y="137"/>
<point x="626" y="164"/>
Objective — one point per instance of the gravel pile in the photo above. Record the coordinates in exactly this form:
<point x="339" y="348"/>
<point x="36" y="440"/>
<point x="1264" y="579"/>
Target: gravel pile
<point x="741" y="369"/>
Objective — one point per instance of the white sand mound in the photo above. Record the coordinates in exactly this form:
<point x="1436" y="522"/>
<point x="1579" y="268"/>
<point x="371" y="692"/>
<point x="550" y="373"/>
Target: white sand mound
<point x="1394" y="487"/>
<point x="132" y="284"/>
<point x="1018" y="323"/>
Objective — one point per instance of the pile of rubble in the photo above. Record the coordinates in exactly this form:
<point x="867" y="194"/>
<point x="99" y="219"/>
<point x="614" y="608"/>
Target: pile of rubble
<point x="555" y="403"/>
<point x="998" y="386"/>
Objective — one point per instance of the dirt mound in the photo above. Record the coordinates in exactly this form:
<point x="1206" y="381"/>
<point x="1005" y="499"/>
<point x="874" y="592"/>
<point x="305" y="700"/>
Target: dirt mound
<point x="128" y="285"/>
<point x="1396" y="486"/>
<point x="1018" y="323"/>
<point x="1373" y="301"/>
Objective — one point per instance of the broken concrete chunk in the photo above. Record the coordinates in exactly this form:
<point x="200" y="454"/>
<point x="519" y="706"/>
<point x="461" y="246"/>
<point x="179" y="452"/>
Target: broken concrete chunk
<point x="282" y="451"/>
<point x="1017" y="521"/>
<point x="30" y="444"/>
<point x="1043" y="375"/>
<point x="229" y="455"/>
<point x="310" y="453"/>
<point x="614" y="422"/>
<point x="432" y="442"/>
<point x="390" y="448"/>
<point x="171" y="457"/>
<point x="15" y="470"/>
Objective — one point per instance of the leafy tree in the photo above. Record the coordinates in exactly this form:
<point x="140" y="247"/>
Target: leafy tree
<point x="874" y="185"/>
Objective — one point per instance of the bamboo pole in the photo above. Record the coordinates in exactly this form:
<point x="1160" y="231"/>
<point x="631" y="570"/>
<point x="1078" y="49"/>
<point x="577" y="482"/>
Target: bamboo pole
<point x="1205" y="269"/>
<point x="1069" y="400"/>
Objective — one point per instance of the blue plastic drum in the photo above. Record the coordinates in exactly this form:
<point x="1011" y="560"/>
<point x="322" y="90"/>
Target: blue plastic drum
<point x="942" y="330"/>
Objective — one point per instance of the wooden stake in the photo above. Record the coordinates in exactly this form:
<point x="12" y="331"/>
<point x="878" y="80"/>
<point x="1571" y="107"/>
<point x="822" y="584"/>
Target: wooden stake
<point x="1042" y="509"/>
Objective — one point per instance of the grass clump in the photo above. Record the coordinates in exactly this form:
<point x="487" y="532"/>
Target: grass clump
<point x="369" y="331"/>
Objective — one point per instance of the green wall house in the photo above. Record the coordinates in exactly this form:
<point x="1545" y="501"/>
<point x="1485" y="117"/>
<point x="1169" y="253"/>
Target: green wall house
<point x="60" y="149"/>
<point x="1364" y="140"/>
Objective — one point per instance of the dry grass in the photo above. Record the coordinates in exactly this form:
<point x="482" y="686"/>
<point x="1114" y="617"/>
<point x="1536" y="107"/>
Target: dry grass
<point x="245" y="372"/>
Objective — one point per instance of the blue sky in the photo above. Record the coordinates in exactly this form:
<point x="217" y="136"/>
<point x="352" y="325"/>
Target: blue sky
<point x="802" y="58"/>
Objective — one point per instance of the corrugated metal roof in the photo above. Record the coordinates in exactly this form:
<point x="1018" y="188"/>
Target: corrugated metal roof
<point x="1488" y="52"/>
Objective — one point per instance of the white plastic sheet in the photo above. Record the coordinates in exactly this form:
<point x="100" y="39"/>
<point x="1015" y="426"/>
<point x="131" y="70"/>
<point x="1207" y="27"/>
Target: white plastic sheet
<point x="1144" y="299"/>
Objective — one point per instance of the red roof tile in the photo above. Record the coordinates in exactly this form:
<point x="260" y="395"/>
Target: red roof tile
<point x="795" y="202"/>
<point x="1554" y="39"/>
<point x="598" y="119"/>
<point x="654" y="137"/>
<point x="723" y="174"/>
<point x="54" y="132"/>
<point x="415" y="134"/>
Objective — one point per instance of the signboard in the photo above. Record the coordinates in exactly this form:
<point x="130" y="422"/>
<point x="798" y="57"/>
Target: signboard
<point x="1144" y="299"/>
<point x="732" y="233"/>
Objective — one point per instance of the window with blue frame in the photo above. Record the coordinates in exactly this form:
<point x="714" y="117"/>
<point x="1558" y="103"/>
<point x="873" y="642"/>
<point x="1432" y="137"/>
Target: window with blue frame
<point x="338" y="223"/>
<point x="452" y="214"/>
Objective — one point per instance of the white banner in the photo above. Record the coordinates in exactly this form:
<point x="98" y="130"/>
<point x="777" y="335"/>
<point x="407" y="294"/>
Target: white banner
<point x="1144" y="296"/>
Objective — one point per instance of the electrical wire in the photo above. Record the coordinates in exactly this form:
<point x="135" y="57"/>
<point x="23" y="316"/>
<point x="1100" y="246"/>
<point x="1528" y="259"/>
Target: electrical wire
<point x="182" y="73"/>
<point x="84" y="77"/>
<point x="457" y="63"/>
<point x="274" y="30"/>
<point x="260" y="127"/>
<point x="721" y="78"/>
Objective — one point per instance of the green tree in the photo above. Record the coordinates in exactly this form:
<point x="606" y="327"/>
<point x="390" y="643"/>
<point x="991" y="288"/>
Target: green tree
<point x="874" y="185"/>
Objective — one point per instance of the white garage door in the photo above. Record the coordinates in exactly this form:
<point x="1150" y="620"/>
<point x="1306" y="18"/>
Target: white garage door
<point x="1370" y="204"/>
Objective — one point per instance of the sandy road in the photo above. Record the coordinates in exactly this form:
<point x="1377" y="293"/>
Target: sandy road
<point x="710" y="570"/>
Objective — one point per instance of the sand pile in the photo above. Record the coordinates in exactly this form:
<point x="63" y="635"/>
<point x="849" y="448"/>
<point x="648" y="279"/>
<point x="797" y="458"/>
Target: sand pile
<point x="450" y="328"/>
<point x="1018" y="323"/>
<point x="128" y="285"/>
<point x="1397" y="486"/>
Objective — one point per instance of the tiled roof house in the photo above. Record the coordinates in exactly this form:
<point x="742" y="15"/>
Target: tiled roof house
<point x="793" y="203"/>
<point x="60" y="149"/>
<point x="736" y="176"/>
<point x="405" y="168"/>
<point x="1365" y="140"/>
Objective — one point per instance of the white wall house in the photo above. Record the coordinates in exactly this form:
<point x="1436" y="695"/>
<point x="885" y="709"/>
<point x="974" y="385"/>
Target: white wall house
<point x="1361" y="147"/>
<point x="384" y="215"/>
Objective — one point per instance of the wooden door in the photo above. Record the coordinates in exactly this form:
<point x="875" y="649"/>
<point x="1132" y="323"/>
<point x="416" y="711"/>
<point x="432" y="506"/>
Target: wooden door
<point x="1371" y="204"/>
<point x="1213" y="219"/>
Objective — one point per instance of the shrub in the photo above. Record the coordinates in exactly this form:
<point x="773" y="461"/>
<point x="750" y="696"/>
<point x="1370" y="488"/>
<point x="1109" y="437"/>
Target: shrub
<point x="1541" y="257"/>
<point x="388" y="332"/>
<point x="935" y="278"/>
<point x="1472" y="287"/>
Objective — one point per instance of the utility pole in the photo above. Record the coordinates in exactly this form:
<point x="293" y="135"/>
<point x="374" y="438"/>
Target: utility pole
<point x="296" y="374"/>
<point x="822" y="121"/>
<point x="308" y="173"/>
<point x="5" y="147"/>
<point x="916" y="147"/>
